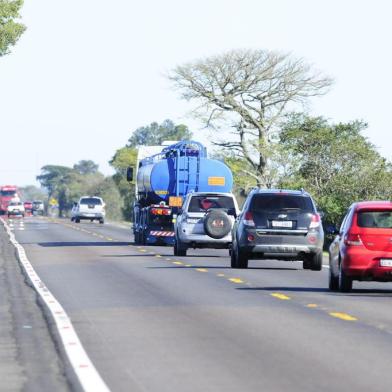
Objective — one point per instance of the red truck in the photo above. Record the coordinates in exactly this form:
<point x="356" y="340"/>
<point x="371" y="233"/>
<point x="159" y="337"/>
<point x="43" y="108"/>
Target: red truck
<point x="7" y="193"/>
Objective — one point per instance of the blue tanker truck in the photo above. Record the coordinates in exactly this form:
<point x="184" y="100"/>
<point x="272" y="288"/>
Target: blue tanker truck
<point x="162" y="181"/>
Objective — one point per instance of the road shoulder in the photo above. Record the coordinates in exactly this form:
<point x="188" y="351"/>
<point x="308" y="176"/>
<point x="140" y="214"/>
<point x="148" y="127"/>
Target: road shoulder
<point x="28" y="357"/>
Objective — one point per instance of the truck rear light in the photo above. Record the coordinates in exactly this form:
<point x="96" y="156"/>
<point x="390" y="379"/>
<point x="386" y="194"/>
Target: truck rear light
<point x="352" y="239"/>
<point x="248" y="219"/>
<point x="315" y="221"/>
<point x="160" y="211"/>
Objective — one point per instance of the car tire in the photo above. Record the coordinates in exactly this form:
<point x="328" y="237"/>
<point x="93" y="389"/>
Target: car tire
<point x="239" y="259"/>
<point x="136" y="237"/>
<point x="306" y="263"/>
<point x="101" y="221"/>
<point x="316" y="261"/>
<point x="77" y="220"/>
<point x="179" y="248"/>
<point x="345" y="282"/>
<point x="333" y="281"/>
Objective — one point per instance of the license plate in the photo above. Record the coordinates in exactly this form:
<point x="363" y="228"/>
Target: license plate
<point x="89" y="215"/>
<point x="386" y="262"/>
<point x="285" y="224"/>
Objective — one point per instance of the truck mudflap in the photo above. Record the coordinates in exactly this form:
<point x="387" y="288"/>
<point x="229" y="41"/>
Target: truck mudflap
<point x="155" y="236"/>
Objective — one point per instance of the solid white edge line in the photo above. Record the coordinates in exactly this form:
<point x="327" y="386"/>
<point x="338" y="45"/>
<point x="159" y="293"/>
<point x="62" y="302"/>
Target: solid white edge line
<point x="84" y="369"/>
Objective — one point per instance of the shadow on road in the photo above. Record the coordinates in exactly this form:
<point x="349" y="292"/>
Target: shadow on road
<point x="86" y="243"/>
<point x="224" y="267"/>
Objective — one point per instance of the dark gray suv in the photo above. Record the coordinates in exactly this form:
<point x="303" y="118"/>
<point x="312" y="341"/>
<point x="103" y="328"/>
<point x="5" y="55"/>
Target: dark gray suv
<point x="278" y="224"/>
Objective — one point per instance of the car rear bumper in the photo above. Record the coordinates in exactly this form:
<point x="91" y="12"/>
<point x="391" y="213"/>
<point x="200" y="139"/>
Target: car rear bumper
<point x="203" y="239"/>
<point x="90" y="215"/>
<point x="366" y="265"/>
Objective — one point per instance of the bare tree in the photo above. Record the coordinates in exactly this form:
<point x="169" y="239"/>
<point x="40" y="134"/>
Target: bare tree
<point x="249" y="91"/>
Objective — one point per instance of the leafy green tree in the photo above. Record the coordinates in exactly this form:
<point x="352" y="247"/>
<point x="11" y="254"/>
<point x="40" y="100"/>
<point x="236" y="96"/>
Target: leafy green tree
<point x="109" y="192"/>
<point x="334" y="162"/>
<point x="86" y="167"/>
<point x="248" y="92"/>
<point x="123" y="158"/>
<point x="154" y="134"/>
<point x="31" y="192"/>
<point x="10" y="30"/>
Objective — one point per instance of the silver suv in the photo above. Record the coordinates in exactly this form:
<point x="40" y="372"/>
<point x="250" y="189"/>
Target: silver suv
<point x="205" y="221"/>
<point x="278" y="224"/>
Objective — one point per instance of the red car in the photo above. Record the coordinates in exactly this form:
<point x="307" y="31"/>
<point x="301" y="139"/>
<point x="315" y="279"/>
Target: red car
<point x="28" y="205"/>
<point x="362" y="249"/>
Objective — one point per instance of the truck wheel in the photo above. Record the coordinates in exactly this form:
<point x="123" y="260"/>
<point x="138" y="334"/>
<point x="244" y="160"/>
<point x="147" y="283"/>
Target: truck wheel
<point x="179" y="248"/>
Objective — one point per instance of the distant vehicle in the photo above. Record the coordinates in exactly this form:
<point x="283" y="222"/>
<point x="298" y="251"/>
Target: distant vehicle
<point x="38" y="207"/>
<point x="7" y="193"/>
<point x="278" y="224"/>
<point x="362" y="249"/>
<point x="90" y="208"/>
<point x="165" y="175"/>
<point x="28" y="206"/>
<point x="205" y="221"/>
<point x="15" y="208"/>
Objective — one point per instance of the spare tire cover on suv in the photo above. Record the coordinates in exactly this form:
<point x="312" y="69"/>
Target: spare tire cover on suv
<point x="217" y="224"/>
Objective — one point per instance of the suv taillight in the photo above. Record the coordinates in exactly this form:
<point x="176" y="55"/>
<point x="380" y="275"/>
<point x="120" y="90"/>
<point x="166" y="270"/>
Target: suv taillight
<point x="248" y="219"/>
<point x="315" y="221"/>
<point x="352" y="239"/>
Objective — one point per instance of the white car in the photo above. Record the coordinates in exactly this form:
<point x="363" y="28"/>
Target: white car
<point x="205" y="221"/>
<point x="88" y="207"/>
<point x="15" y="208"/>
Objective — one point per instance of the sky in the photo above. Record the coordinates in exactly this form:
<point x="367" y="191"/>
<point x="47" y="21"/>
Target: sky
<point x="87" y="73"/>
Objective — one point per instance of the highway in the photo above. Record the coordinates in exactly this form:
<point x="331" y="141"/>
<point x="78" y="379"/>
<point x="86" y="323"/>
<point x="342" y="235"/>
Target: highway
<point x="150" y="321"/>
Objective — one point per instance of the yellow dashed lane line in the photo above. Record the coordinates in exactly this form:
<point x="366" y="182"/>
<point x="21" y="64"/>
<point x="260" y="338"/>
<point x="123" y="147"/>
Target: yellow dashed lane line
<point x="177" y="262"/>
<point x="312" y="305"/>
<point x="280" y="296"/>
<point x="201" y="270"/>
<point x="343" y="316"/>
<point x="236" y="280"/>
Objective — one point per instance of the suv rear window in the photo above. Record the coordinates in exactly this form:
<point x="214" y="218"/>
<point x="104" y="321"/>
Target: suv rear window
<point x="204" y="203"/>
<point x="91" y="201"/>
<point x="280" y="202"/>
<point x="375" y="219"/>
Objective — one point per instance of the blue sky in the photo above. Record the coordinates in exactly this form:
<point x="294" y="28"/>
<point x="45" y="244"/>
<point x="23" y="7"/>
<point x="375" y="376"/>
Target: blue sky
<point x="87" y="73"/>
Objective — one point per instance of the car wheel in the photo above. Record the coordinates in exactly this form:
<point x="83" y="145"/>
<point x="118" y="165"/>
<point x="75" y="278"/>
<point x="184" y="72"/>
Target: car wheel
<point x="239" y="259"/>
<point x="77" y="220"/>
<point x="136" y="237"/>
<point x="316" y="261"/>
<point x="72" y="219"/>
<point x="306" y="263"/>
<point x="179" y="248"/>
<point x="333" y="281"/>
<point x="101" y="221"/>
<point x="345" y="282"/>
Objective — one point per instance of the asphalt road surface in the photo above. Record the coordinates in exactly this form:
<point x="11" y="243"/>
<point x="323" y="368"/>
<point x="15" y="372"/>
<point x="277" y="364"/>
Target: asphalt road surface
<point x="150" y="321"/>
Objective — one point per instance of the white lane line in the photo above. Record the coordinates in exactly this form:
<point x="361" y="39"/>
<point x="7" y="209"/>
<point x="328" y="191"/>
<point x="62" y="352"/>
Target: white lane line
<point x="84" y="369"/>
